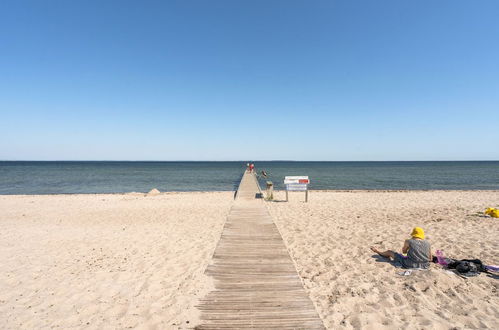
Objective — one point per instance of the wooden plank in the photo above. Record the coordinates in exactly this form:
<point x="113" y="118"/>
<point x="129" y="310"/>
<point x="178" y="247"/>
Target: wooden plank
<point x="256" y="283"/>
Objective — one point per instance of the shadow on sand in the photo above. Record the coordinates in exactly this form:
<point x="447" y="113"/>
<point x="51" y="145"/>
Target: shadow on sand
<point x="379" y="258"/>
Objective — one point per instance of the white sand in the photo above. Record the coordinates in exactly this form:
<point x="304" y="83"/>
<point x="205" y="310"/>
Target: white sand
<point x="106" y="261"/>
<point x="329" y="239"/>
<point x="136" y="261"/>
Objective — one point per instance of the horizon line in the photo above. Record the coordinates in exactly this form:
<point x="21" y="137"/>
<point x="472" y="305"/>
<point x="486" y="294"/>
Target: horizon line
<point x="261" y="160"/>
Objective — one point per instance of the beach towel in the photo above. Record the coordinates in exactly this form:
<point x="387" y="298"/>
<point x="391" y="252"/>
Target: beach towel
<point x="492" y="268"/>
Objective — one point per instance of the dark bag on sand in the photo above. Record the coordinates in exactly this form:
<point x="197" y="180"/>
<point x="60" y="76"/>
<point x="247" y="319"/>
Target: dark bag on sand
<point x="468" y="266"/>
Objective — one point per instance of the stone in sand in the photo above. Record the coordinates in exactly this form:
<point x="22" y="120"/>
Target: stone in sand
<point x="153" y="192"/>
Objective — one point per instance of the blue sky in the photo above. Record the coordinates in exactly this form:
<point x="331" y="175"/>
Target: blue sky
<point x="238" y="80"/>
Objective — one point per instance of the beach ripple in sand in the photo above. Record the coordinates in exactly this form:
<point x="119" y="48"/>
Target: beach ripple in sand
<point x="106" y="261"/>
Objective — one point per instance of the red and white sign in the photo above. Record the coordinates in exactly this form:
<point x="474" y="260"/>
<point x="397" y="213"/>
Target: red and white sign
<point x="296" y="183"/>
<point x="296" y="180"/>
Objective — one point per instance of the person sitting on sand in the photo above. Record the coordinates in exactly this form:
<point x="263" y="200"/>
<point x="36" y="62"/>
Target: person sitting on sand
<point x="418" y="251"/>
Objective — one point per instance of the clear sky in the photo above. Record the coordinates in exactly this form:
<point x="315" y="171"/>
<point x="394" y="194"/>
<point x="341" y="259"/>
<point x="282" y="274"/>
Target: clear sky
<point x="239" y="80"/>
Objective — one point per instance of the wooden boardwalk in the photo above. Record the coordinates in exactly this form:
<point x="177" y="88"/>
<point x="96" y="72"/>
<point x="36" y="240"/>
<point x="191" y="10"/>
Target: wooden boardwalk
<point x="256" y="283"/>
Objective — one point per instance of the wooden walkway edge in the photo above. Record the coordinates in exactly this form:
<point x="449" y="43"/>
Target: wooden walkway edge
<point x="256" y="283"/>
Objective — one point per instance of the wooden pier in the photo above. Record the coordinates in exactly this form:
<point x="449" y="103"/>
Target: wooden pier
<point x="256" y="283"/>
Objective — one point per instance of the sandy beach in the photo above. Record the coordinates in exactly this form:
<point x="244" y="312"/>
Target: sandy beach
<point x="329" y="240"/>
<point x="136" y="261"/>
<point x="106" y="261"/>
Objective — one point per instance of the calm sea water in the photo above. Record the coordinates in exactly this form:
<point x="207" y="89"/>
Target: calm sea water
<point x="112" y="177"/>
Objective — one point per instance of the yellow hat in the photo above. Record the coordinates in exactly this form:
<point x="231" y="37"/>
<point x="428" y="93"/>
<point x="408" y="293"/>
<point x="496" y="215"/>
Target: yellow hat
<point x="417" y="232"/>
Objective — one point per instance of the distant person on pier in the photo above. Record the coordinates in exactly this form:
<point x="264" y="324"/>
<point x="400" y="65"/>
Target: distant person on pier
<point x="252" y="167"/>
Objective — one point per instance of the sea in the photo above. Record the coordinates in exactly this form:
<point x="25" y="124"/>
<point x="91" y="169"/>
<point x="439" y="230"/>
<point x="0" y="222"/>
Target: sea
<point x="75" y="177"/>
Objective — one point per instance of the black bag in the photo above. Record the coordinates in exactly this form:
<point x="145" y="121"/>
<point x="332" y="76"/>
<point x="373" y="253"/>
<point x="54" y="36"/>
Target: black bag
<point x="465" y="266"/>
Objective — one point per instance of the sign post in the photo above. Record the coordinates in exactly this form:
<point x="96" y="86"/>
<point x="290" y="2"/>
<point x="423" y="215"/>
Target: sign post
<point x="297" y="183"/>
<point x="270" y="190"/>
